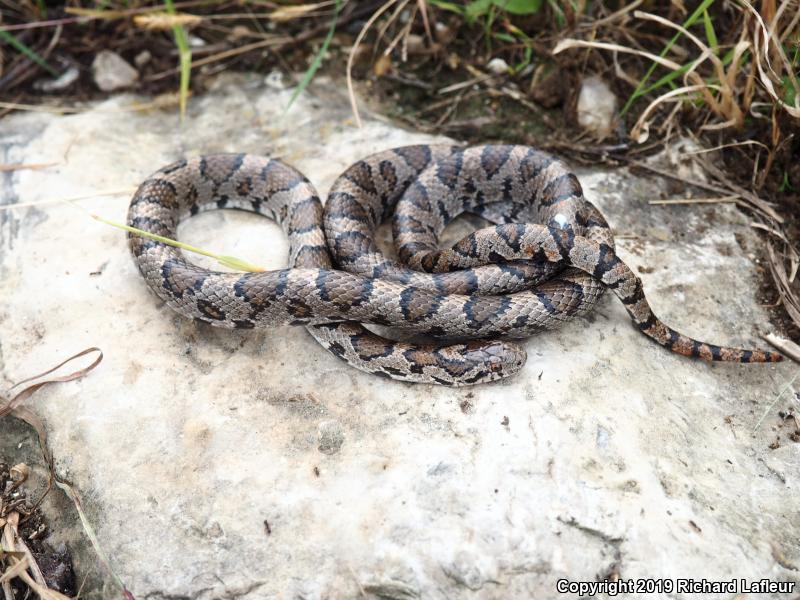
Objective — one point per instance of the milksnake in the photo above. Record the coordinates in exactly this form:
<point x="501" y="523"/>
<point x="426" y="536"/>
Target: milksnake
<point x="548" y="257"/>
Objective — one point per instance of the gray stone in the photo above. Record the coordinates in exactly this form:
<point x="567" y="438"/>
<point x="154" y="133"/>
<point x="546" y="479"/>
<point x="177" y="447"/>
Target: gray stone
<point x="111" y="72"/>
<point x="199" y="452"/>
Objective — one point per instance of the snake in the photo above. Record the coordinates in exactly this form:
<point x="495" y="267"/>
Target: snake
<point x="546" y="257"/>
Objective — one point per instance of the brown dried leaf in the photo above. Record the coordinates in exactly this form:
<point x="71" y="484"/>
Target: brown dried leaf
<point x="382" y="66"/>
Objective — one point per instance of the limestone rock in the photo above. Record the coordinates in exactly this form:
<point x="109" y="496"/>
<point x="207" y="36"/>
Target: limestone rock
<point x="253" y="464"/>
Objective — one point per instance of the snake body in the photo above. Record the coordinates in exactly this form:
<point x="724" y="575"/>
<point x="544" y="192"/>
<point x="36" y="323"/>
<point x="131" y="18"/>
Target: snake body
<point x="548" y="258"/>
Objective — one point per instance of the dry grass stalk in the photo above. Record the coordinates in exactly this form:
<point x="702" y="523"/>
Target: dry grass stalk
<point x="641" y="130"/>
<point x="720" y="200"/>
<point x="727" y="98"/>
<point x="351" y="56"/>
<point x="166" y="21"/>
<point x="21" y="561"/>
<point x="26" y="167"/>
<point x="787" y="347"/>
<point x="568" y="43"/>
<point x="766" y="42"/>
<point x="783" y="279"/>
<point x="288" y="13"/>
<point x="10" y="539"/>
<point x="727" y="107"/>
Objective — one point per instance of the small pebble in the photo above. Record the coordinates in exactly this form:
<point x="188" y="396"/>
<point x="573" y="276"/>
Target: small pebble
<point x="497" y="66"/>
<point x="597" y="105"/>
<point x="275" y="80"/>
<point x="111" y="72"/>
<point x="142" y="58"/>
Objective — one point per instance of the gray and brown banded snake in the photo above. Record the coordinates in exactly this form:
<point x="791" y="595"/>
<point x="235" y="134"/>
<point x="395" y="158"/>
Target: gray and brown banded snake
<point x="548" y="258"/>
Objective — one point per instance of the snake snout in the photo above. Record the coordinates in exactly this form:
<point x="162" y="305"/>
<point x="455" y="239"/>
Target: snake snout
<point x="501" y="359"/>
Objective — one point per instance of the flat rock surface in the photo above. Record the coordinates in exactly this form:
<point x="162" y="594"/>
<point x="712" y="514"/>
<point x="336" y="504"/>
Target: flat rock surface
<point x="253" y="464"/>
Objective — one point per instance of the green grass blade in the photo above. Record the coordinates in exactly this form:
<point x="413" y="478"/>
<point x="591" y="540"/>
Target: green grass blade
<point x="688" y="23"/>
<point x="185" y="54"/>
<point x="669" y="77"/>
<point x="477" y="8"/>
<point x="228" y="261"/>
<point x="185" y="58"/>
<point x="519" y="7"/>
<point x="315" y="64"/>
<point x="711" y="35"/>
<point x="666" y="79"/>
<point x="449" y="6"/>
<point x="15" y="43"/>
<point x="505" y="37"/>
<point x="790" y="92"/>
<point x="786" y="185"/>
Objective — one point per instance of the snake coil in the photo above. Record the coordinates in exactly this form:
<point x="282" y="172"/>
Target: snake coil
<point x="548" y="257"/>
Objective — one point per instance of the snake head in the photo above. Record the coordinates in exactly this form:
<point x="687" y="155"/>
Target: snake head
<point x="494" y="359"/>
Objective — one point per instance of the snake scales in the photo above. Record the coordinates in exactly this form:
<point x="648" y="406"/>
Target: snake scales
<point x="548" y="258"/>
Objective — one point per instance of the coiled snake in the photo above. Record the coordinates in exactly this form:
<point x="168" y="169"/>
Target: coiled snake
<point x="548" y="259"/>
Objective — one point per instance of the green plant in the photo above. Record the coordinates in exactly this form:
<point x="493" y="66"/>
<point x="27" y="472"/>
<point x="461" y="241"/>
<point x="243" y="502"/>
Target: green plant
<point x="229" y="261"/>
<point x="185" y="57"/>
<point x="786" y="185"/>
<point x="640" y="90"/>
<point x="480" y="8"/>
<point x="315" y="64"/>
<point x="31" y="54"/>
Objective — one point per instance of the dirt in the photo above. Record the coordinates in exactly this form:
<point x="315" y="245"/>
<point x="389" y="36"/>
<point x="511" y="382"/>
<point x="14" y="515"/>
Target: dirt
<point x="54" y="563"/>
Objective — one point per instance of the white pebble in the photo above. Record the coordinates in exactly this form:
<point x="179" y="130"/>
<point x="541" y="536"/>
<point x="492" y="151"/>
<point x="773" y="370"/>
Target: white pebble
<point x="111" y="72"/>
<point x="597" y="105"/>
<point x="497" y="66"/>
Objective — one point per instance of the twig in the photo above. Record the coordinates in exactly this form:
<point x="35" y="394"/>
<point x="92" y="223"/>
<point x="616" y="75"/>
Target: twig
<point x="612" y="17"/>
<point x="744" y="194"/>
<point x="722" y="200"/>
<point x="457" y="86"/>
<point x="443" y="103"/>
<point x="28" y="167"/>
<point x="756" y="202"/>
<point x="448" y="112"/>
<point x="783" y="283"/>
<point x="517" y="96"/>
<point x="405" y="80"/>
<point x="787" y="347"/>
<point x="159" y="102"/>
<point x="275" y="41"/>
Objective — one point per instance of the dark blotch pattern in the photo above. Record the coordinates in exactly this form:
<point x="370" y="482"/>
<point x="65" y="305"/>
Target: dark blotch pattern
<point x="550" y="195"/>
